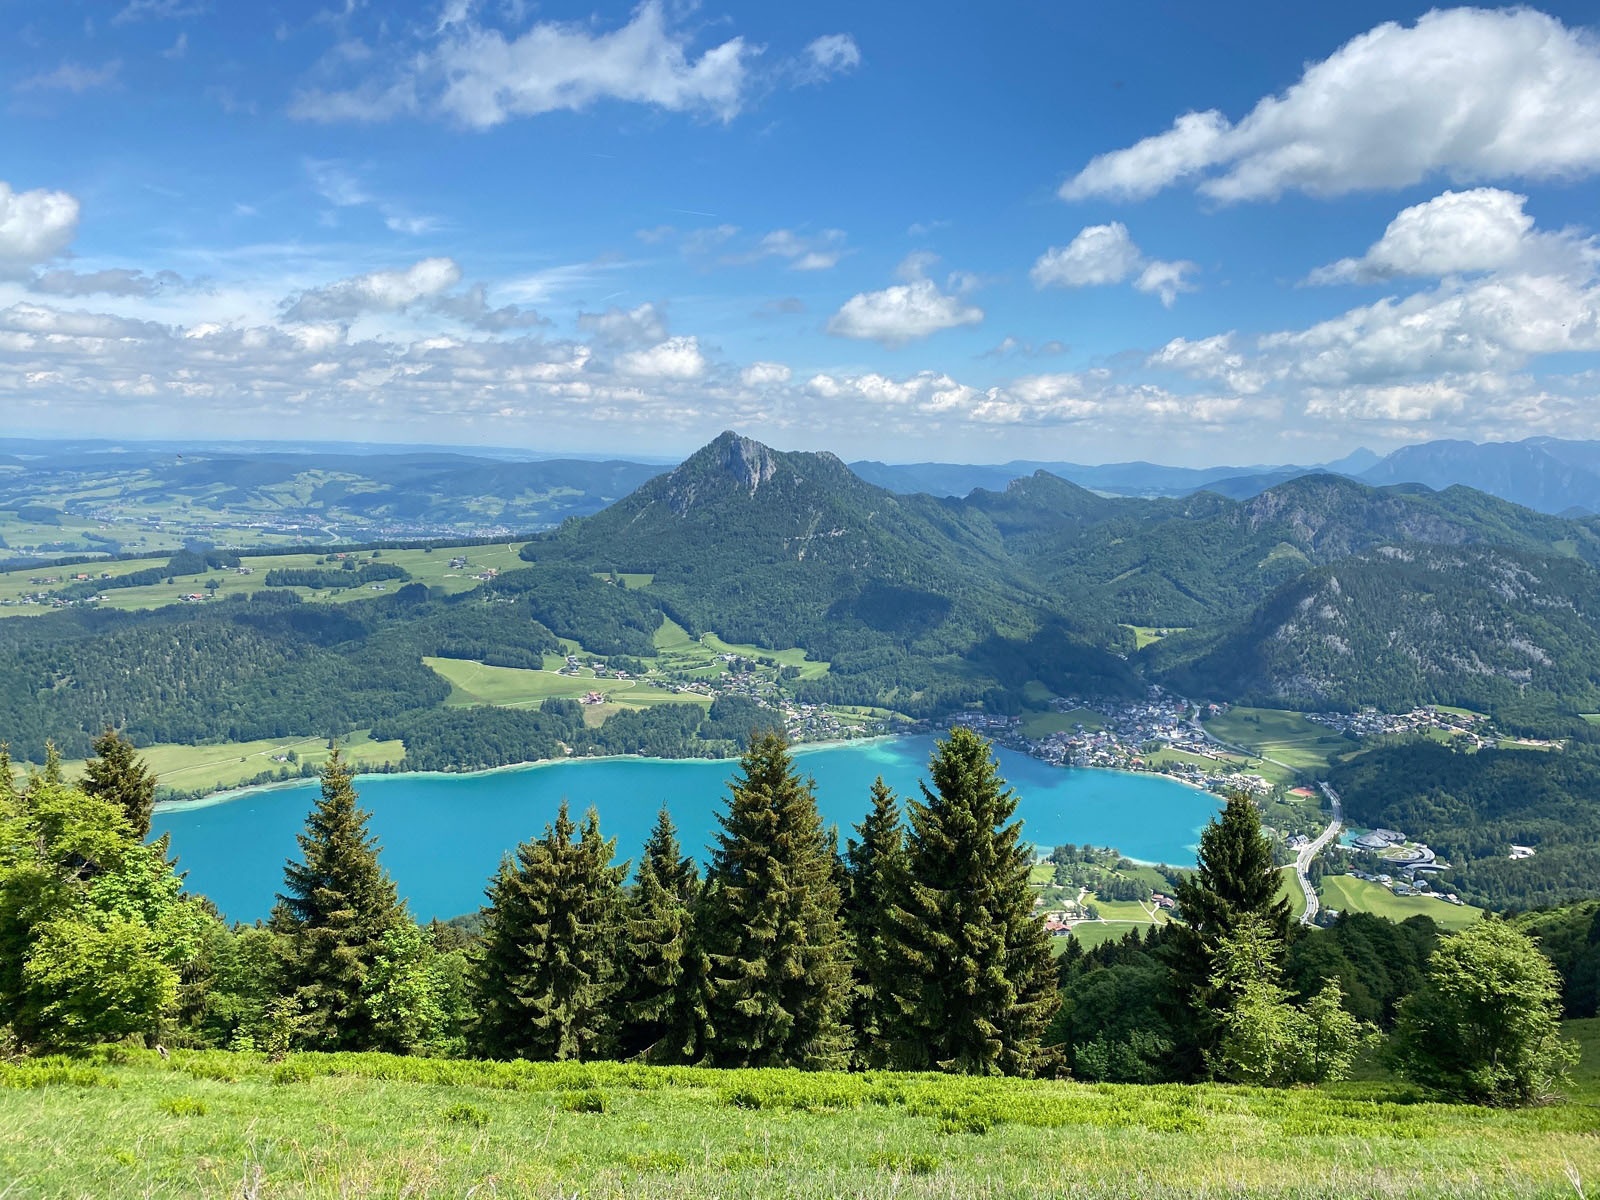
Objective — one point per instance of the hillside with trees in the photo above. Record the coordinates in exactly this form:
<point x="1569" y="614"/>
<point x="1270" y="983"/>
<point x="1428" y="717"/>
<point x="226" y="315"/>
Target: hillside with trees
<point x="1319" y="592"/>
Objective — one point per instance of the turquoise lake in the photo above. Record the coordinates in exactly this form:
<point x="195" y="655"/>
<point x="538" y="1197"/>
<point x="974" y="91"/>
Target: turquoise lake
<point x="443" y="835"/>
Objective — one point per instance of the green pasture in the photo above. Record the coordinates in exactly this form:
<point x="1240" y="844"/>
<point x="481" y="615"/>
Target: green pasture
<point x="473" y="683"/>
<point x="1127" y="910"/>
<point x="793" y="657"/>
<point x="76" y="535"/>
<point x="1168" y="756"/>
<point x="214" y="1124"/>
<point x="1145" y="635"/>
<point x="230" y="764"/>
<point x="1277" y="733"/>
<point x="1090" y="934"/>
<point x="427" y="566"/>
<point x="1347" y="894"/>
<point x="1039" y="725"/>
<point x="1289" y="885"/>
<point x="679" y="652"/>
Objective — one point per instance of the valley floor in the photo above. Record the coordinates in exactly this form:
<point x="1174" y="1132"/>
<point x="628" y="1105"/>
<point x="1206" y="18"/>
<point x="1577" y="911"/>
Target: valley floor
<point x="220" y="1124"/>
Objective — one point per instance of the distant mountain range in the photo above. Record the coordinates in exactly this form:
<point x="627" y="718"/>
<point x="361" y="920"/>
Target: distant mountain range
<point x="89" y="495"/>
<point x="1320" y="591"/>
<point x="1548" y="475"/>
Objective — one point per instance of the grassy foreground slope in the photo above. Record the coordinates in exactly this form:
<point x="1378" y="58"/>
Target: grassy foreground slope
<point x="215" y="1124"/>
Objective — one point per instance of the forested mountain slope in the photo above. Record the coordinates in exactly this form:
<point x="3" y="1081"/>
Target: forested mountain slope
<point x="1406" y="625"/>
<point x="1206" y="558"/>
<point x="1320" y="592"/>
<point x="913" y="600"/>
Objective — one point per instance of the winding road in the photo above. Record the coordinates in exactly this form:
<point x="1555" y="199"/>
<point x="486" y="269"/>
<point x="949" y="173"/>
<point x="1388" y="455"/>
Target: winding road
<point x="1302" y="862"/>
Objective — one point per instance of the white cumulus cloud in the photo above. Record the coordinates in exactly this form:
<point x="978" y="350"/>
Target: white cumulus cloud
<point x="378" y="291"/>
<point x="1484" y="229"/>
<point x="902" y="313"/>
<point x="35" y="226"/>
<point x="1469" y="93"/>
<point x="1106" y="254"/>
<point x="676" y="358"/>
<point x="643" y="325"/>
<point x="483" y="77"/>
<point x="765" y="374"/>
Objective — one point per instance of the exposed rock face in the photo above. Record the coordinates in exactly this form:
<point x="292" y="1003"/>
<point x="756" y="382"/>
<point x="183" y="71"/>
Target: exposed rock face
<point x="731" y="460"/>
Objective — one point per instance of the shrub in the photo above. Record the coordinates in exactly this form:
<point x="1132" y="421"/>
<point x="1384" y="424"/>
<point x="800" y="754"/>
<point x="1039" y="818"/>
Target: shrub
<point x="183" y="1106"/>
<point x="466" y="1114"/>
<point x="590" y="1100"/>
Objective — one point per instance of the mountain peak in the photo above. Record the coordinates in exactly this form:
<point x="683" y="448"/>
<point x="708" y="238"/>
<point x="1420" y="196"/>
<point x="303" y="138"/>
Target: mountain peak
<point x="744" y="460"/>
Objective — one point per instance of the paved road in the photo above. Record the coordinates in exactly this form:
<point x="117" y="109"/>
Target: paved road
<point x="1302" y="862"/>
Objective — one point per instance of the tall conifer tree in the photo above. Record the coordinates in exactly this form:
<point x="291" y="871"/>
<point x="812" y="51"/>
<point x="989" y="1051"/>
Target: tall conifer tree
<point x="660" y="998"/>
<point x="119" y="775"/>
<point x="336" y="907"/>
<point x="778" y="986"/>
<point x="877" y="865"/>
<point x="1235" y="879"/>
<point x="973" y="982"/>
<point x="547" y="973"/>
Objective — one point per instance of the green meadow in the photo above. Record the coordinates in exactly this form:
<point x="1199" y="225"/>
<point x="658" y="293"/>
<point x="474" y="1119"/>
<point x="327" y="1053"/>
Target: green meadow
<point x="126" y="1123"/>
<point x="1346" y="894"/>
<point x="1279" y="734"/>
<point x="431" y="567"/>
<point x="198" y="769"/>
<point x="473" y="683"/>
<point x="1039" y="725"/>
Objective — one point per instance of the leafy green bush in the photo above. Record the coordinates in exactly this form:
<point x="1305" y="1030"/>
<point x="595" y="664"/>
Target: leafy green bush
<point x="466" y="1114"/>
<point x="183" y="1106"/>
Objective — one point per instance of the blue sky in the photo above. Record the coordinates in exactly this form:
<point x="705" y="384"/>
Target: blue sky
<point x="1237" y="233"/>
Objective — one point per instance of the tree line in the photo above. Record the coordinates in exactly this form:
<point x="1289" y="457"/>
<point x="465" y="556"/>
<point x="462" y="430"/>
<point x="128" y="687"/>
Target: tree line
<point x="916" y="946"/>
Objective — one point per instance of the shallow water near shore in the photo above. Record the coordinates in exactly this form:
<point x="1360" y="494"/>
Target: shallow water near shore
<point x="443" y="835"/>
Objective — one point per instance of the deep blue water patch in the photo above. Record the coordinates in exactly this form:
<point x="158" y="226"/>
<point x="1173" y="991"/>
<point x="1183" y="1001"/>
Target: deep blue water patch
<point x="444" y="835"/>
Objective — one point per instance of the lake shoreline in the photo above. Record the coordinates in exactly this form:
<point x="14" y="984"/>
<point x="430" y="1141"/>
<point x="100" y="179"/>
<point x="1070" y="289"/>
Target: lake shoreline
<point x="228" y="795"/>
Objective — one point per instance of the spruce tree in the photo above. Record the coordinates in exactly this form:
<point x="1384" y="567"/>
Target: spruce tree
<point x="778" y="986"/>
<point x="8" y="780"/>
<point x="1234" y="881"/>
<point x="1235" y="877"/>
<point x="334" y="912"/>
<point x="659" y="1001"/>
<point x="876" y="873"/>
<point x="973" y="984"/>
<point x="119" y="775"/>
<point x="546" y="975"/>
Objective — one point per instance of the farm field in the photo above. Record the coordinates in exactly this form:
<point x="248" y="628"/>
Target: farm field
<point x="681" y="653"/>
<point x="230" y="764"/>
<point x="124" y="1122"/>
<point x="1277" y="733"/>
<point x="1038" y="725"/>
<point x="1289" y="885"/>
<point x="1144" y="635"/>
<point x="515" y="687"/>
<point x="430" y="567"/>
<point x="1345" y="894"/>
<point x="1090" y="934"/>
<point x="75" y="535"/>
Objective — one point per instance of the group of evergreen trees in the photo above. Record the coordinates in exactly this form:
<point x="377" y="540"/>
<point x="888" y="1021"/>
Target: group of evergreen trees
<point x="915" y="948"/>
<point x="918" y="949"/>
